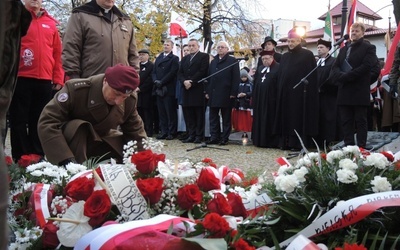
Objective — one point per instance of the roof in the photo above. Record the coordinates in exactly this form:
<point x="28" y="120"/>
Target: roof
<point x="362" y="10"/>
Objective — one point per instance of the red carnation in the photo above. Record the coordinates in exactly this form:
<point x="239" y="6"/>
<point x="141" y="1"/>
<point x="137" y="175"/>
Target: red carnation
<point x="207" y="180"/>
<point x="241" y="244"/>
<point x="97" y="207"/>
<point x="219" y="205"/>
<point x="80" y="188"/>
<point x="188" y="196"/>
<point x="353" y="246"/>
<point x="151" y="189"/>
<point x="216" y="225"/>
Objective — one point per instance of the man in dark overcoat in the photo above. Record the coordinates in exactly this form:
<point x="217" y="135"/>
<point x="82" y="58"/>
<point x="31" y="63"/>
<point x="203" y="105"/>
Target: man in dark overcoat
<point x="164" y="77"/>
<point x="329" y="121"/>
<point x="145" y="90"/>
<point x="297" y="108"/>
<point x="264" y="102"/>
<point x="92" y="117"/>
<point x="194" y="67"/>
<point x="351" y="72"/>
<point x="221" y="93"/>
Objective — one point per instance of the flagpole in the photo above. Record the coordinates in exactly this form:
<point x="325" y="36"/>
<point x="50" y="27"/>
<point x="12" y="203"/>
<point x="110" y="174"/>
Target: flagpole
<point x="344" y="17"/>
<point x="180" y="36"/>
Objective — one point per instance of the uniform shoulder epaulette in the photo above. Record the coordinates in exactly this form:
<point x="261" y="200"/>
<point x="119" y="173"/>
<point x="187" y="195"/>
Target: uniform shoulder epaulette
<point x="80" y="83"/>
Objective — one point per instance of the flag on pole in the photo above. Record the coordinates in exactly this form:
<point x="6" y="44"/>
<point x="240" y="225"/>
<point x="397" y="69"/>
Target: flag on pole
<point x="177" y="26"/>
<point x="390" y="57"/>
<point x="352" y="17"/>
<point x="272" y="33"/>
<point x="329" y="34"/>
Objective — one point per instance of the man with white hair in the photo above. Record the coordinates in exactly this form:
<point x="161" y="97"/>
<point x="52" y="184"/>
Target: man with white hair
<point x="221" y="93"/>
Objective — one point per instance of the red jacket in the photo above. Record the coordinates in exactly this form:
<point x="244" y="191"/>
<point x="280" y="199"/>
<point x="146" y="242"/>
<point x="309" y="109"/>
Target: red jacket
<point x="41" y="50"/>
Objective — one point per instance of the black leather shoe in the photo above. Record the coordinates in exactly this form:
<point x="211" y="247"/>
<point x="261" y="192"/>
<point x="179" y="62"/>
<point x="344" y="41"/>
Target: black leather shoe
<point x="197" y="140"/>
<point x="213" y="142"/>
<point x="223" y="142"/>
<point x="170" y="137"/>
<point x="160" y="137"/>
<point x="190" y="139"/>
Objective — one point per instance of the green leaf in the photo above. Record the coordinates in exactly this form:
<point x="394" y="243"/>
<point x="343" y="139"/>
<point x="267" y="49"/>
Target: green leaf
<point x="209" y="244"/>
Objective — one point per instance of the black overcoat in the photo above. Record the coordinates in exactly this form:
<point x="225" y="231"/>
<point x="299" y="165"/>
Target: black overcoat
<point x="194" y="69"/>
<point x="146" y="85"/>
<point x="224" y="84"/>
<point x="166" y="70"/>
<point x="353" y="86"/>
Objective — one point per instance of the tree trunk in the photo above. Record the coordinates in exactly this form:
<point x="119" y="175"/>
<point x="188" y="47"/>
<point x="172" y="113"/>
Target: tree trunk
<point x="396" y="10"/>
<point x="207" y="26"/>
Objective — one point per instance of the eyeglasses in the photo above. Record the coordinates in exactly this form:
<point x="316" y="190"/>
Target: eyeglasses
<point x="221" y="47"/>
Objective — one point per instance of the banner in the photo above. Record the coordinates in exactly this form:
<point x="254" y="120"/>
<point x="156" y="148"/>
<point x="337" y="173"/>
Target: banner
<point x="177" y="26"/>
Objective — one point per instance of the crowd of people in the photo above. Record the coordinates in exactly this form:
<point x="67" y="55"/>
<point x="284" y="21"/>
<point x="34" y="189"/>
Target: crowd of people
<point x="95" y="91"/>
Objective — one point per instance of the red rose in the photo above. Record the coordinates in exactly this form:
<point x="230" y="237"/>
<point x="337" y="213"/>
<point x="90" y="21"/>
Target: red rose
<point x="353" y="246"/>
<point x="207" y="180"/>
<point x="219" y="205"/>
<point x="151" y="189"/>
<point x="146" y="161"/>
<point x="9" y="160"/>
<point x="49" y="236"/>
<point x="241" y="244"/>
<point x="97" y="207"/>
<point x="27" y="160"/>
<point x="216" y="225"/>
<point x="188" y="196"/>
<point x="207" y="160"/>
<point x="236" y="203"/>
<point x="80" y="188"/>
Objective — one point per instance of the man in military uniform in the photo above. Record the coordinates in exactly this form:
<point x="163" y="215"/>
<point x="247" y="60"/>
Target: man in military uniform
<point x="82" y="119"/>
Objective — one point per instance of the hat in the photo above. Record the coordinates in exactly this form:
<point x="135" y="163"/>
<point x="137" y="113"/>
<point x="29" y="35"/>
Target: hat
<point x="264" y="52"/>
<point x="243" y="73"/>
<point x="122" y="78"/>
<point x="293" y="34"/>
<point x="328" y="44"/>
<point x="268" y="39"/>
<point x="144" y="51"/>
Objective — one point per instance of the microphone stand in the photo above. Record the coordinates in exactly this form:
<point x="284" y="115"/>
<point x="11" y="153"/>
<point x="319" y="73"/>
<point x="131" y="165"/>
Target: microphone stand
<point x="304" y="81"/>
<point x="204" y="144"/>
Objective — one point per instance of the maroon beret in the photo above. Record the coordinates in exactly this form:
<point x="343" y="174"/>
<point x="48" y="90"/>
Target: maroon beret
<point x="122" y="78"/>
<point x="264" y="52"/>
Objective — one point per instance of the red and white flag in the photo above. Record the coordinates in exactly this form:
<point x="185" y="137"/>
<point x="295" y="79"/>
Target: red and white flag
<point x="177" y="26"/>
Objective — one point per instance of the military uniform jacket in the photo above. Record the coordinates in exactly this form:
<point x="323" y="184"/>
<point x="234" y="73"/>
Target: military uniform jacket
<point x="81" y="101"/>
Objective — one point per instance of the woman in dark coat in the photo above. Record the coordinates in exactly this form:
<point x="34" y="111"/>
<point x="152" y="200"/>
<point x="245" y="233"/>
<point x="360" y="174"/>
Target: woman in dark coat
<point x="264" y="102"/>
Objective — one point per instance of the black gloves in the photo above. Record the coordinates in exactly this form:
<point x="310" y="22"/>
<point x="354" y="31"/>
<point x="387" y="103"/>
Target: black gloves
<point x="158" y="83"/>
<point x="66" y="162"/>
<point x="393" y="90"/>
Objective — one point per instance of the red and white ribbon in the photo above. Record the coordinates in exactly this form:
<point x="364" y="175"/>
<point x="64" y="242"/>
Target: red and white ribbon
<point x="108" y="237"/>
<point x="40" y="194"/>
<point x="302" y="243"/>
<point x="348" y="213"/>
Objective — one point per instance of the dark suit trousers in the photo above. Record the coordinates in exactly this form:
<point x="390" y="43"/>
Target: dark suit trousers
<point x="215" y="126"/>
<point x="354" y="118"/>
<point x="168" y="115"/>
<point x="146" y="113"/>
<point x="29" y="99"/>
<point x="194" y="119"/>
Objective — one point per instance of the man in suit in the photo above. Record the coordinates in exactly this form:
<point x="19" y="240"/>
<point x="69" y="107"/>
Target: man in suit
<point x="193" y="68"/>
<point x="221" y="93"/>
<point x="164" y="77"/>
<point x="351" y="73"/>
<point x="145" y="101"/>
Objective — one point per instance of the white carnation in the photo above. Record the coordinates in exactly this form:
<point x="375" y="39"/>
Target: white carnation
<point x="334" y="155"/>
<point x="377" y="160"/>
<point x="352" y="150"/>
<point x="380" y="184"/>
<point x="346" y="176"/>
<point x="288" y="183"/>
<point x="300" y="173"/>
<point x="347" y="164"/>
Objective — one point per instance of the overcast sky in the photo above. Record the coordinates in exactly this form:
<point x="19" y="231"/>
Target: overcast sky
<point x="310" y="10"/>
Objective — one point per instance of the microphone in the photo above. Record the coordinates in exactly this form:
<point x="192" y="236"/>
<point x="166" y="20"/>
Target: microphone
<point x="345" y="37"/>
<point x="242" y="58"/>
